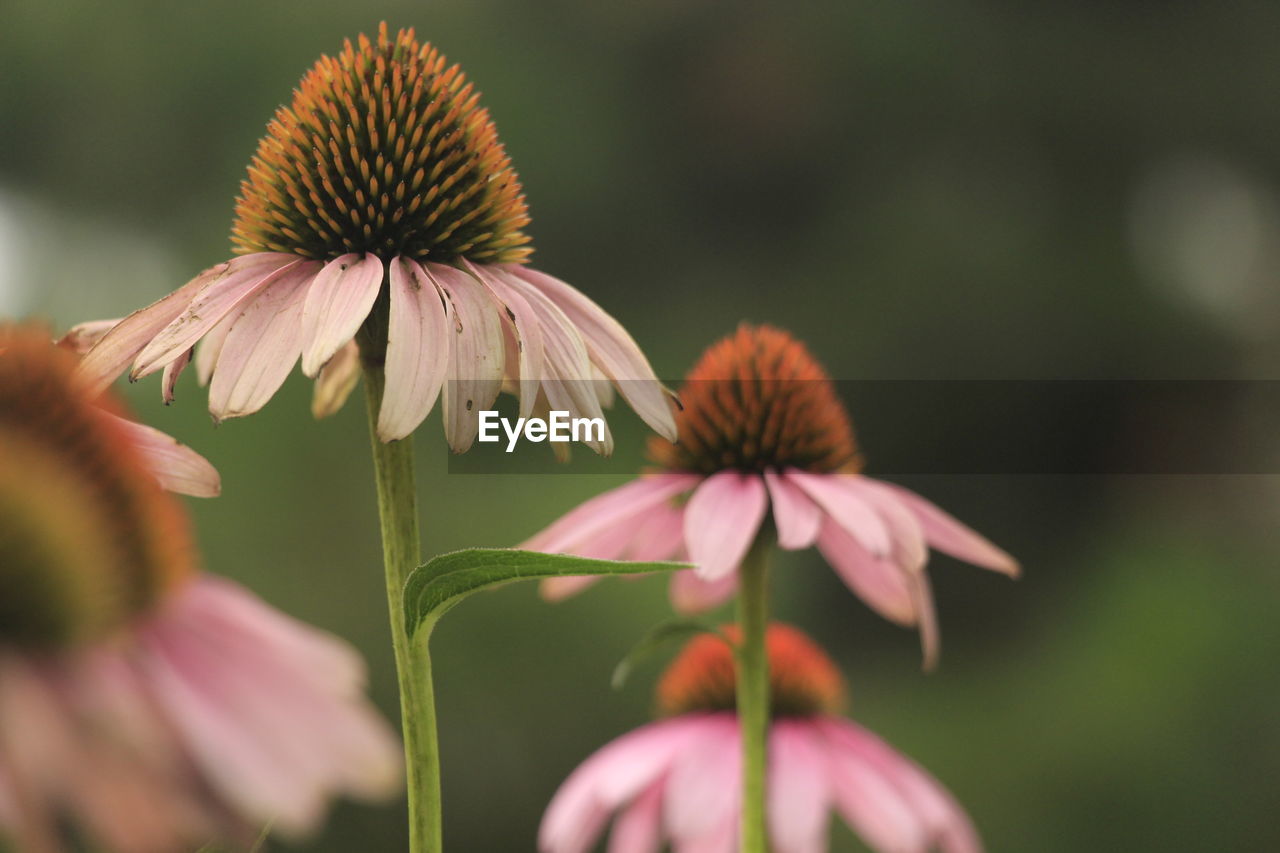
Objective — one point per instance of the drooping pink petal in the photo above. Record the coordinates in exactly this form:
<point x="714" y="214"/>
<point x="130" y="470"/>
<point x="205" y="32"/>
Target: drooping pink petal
<point x="658" y="535"/>
<point x="638" y="829"/>
<point x="798" y="796"/>
<point x="243" y="278"/>
<point x="883" y="585"/>
<point x="612" y="776"/>
<point x="871" y="803"/>
<point x="946" y="822"/>
<point x="721" y="521"/>
<point x="337" y="303"/>
<point x="169" y="378"/>
<point x="702" y="790"/>
<point x="908" y="544"/>
<point x="175" y="466"/>
<point x="568" y="382"/>
<point x="846" y="506"/>
<point x="261" y="347"/>
<point x="691" y="594"/>
<point x="335" y="381"/>
<point x="210" y="347"/>
<point x="615" y="507"/>
<point x="951" y="536"/>
<point x="475" y="354"/>
<point x="796" y="516"/>
<point x="417" y="350"/>
<point x="109" y="357"/>
<point x="612" y="349"/>
<point x="82" y="337"/>
<point x="926" y="617"/>
<point x="526" y="331"/>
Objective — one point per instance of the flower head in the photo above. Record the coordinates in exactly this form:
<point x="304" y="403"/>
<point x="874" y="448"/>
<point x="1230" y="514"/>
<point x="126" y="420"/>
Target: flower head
<point x="153" y="707"/>
<point x="381" y="208"/>
<point x="678" y="779"/>
<point x="763" y="438"/>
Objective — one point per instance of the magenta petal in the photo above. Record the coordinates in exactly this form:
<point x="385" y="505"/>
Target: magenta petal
<point x="112" y="353"/>
<point x="260" y="348"/>
<point x="475" y="354"/>
<point x="798" y="796"/>
<point x="417" y="350"/>
<point x="721" y="521"/>
<point x="639" y="828"/>
<point x="612" y="349"/>
<point x="796" y="516"/>
<point x="177" y="467"/>
<point x="846" y="506"/>
<point x="337" y="303"/>
<point x="602" y="513"/>
<point x="869" y="801"/>
<point x="883" y="585"/>
<point x="950" y="536"/>
<point x="243" y="278"/>
<point x="703" y="788"/>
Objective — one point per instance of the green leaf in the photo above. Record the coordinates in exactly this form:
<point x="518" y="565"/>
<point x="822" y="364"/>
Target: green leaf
<point x="440" y="583"/>
<point x="653" y="641"/>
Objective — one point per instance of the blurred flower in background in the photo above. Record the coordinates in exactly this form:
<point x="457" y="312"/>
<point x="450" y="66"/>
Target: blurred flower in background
<point x="152" y="707"/>
<point x="678" y="779"/>
<point x="385" y="167"/>
<point x="761" y="427"/>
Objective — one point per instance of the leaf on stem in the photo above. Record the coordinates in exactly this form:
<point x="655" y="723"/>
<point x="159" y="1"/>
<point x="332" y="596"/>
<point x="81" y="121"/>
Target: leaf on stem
<point x="659" y="636"/>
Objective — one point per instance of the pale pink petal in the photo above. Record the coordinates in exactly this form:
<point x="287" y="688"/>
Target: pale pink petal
<point x="846" y="506"/>
<point x="615" y="507"/>
<point x="261" y="347"/>
<point x="883" y="585"/>
<point x="475" y="354"/>
<point x="703" y="786"/>
<point x="567" y="382"/>
<point x="82" y="337"/>
<point x="417" y="350"/>
<point x="335" y="382"/>
<point x="638" y="829"/>
<point x="872" y="804"/>
<point x="612" y="349"/>
<point x="691" y="594"/>
<point x="526" y="332"/>
<point x="612" y="776"/>
<point x="796" y="516"/>
<point x="658" y="535"/>
<point x="337" y="303"/>
<point x="723" y="838"/>
<point x="243" y="278"/>
<point x="169" y="378"/>
<point x="175" y="466"/>
<point x="210" y="346"/>
<point x="112" y="353"/>
<point x="721" y="521"/>
<point x="947" y="824"/>
<point x="927" y="618"/>
<point x="952" y="537"/>
<point x="908" y="544"/>
<point x="798" y="795"/>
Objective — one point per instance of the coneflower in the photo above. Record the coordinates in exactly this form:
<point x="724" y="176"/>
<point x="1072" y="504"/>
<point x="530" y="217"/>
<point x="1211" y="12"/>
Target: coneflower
<point x="381" y="208"/>
<point x="152" y="707"/>
<point x="677" y="780"/>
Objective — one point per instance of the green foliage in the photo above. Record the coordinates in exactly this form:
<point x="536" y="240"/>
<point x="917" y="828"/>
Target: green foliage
<point x="660" y="636"/>
<point x="440" y="583"/>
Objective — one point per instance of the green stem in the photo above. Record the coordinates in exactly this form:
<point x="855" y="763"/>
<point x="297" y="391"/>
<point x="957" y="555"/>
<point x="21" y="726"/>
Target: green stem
<point x="401" y="554"/>
<point x="753" y="690"/>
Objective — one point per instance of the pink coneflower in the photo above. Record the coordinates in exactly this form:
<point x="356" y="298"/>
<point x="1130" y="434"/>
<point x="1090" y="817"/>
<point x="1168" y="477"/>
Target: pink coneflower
<point x="381" y="207"/>
<point x="677" y="780"/>
<point x="148" y="706"/>
<point x="761" y="428"/>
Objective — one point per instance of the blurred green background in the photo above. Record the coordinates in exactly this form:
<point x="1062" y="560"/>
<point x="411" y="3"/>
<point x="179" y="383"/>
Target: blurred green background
<point x="920" y="190"/>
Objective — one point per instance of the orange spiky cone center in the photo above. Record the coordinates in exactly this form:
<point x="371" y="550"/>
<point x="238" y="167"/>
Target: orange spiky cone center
<point x="384" y="149"/>
<point x="802" y="679"/>
<point x="755" y="400"/>
<point x="88" y="539"/>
